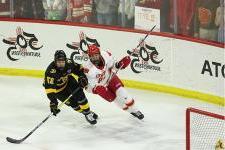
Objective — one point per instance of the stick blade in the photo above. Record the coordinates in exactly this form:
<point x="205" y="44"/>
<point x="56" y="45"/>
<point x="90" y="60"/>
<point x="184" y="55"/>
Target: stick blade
<point x="15" y="141"/>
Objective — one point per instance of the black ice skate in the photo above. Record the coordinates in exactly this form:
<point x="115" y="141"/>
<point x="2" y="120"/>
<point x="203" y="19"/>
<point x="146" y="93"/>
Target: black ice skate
<point x="95" y="116"/>
<point x="138" y="114"/>
<point x="90" y="118"/>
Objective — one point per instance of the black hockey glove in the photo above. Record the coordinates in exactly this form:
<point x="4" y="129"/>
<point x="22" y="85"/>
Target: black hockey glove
<point x="82" y="81"/>
<point x="54" y="108"/>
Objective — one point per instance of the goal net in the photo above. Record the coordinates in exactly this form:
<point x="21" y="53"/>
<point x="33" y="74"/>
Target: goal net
<point x="204" y="130"/>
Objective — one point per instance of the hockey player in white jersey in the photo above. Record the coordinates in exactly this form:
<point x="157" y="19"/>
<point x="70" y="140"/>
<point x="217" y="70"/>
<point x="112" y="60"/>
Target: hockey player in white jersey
<point x="99" y="69"/>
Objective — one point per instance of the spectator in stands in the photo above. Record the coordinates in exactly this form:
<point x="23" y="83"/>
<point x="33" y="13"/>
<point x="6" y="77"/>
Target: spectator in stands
<point x="107" y="11"/>
<point x="32" y="9"/>
<point x="126" y="13"/>
<point x="79" y="10"/>
<point x="182" y="16"/>
<point x="205" y="26"/>
<point x="55" y="9"/>
<point x="4" y="8"/>
<point x="219" y="21"/>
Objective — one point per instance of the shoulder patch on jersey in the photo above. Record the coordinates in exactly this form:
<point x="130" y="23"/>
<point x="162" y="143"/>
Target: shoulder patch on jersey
<point x="110" y="54"/>
<point x="53" y="71"/>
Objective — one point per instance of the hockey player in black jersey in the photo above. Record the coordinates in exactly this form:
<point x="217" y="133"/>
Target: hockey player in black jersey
<point x="60" y="82"/>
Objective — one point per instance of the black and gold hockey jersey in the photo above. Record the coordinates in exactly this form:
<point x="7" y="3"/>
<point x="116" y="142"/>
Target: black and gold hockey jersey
<point x="56" y="80"/>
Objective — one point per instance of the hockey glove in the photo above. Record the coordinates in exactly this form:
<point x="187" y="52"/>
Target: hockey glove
<point x="99" y="89"/>
<point x="123" y="63"/>
<point x="82" y="81"/>
<point x="54" y="108"/>
<point x="104" y="93"/>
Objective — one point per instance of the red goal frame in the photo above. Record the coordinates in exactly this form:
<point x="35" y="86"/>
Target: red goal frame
<point x="198" y="111"/>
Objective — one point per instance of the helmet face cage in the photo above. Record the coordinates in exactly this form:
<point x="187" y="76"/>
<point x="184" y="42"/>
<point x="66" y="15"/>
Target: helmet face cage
<point x="94" y="54"/>
<point x="60" y="59"/>
<point x="93" y="49"/>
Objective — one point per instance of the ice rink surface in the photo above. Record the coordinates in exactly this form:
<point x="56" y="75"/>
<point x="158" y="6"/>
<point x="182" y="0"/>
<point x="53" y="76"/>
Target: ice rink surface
<point x="23" y="104"/>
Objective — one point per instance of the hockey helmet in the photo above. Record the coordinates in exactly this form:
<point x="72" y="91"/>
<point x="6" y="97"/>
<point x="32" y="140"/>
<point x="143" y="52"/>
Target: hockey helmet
<point x="93" y="49"/>
<point x="60" y="55"/>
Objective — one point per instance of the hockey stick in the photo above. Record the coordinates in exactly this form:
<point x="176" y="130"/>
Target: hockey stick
<point x="146" y="36"/>
<point x="114" y="73"/>
<point x="129" y="52"/>
<point x="18" y="141"/>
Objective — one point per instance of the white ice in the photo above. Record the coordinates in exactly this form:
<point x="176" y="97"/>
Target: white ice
<point x="23" y="104"/>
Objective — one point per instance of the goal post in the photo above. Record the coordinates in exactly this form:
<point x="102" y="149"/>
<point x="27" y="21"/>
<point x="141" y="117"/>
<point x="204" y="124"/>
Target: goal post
<point x="204" y="130"/>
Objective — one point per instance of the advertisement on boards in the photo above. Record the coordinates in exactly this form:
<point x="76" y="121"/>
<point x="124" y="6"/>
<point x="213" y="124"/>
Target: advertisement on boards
<point x="21" y="45"/>
<point x="198" y="67"/>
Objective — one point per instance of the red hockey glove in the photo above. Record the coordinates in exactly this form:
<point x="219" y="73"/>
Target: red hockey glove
<point x="99" y="89"/>
<point x="104" y="93"/>
<point x="123" y="63"/>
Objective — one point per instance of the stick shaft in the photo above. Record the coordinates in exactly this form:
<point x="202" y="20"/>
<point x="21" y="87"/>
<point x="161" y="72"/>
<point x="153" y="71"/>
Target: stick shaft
<point x="146" y="36"/>
<point x="11" y="140"/>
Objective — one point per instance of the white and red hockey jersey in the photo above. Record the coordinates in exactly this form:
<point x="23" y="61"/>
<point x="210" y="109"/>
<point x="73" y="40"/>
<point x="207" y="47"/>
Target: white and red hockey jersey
<point x="99" y="76"/>
<point x="110" y="88"/>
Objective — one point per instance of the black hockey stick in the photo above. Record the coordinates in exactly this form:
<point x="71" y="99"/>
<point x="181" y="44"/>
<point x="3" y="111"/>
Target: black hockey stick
<point x="131" y="53"/>
<point x="146" y="35"/>
<point x="18" y="141"/>
<point x="114" y="73"/>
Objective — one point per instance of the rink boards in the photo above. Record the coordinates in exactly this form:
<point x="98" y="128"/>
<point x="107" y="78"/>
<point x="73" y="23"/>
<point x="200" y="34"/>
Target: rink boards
<point x="164" y="63"/>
